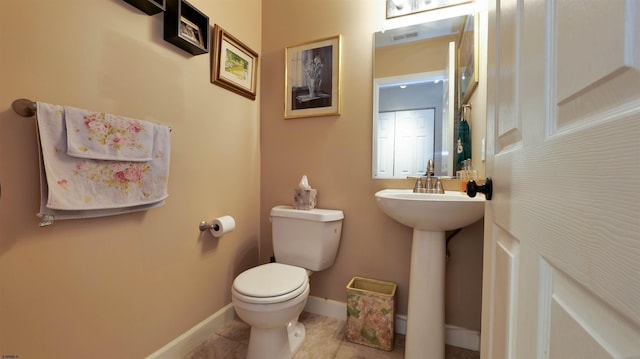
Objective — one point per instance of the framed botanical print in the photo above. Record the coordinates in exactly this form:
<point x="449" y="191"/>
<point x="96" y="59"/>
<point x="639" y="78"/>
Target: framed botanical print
<point x="234" y="65"/>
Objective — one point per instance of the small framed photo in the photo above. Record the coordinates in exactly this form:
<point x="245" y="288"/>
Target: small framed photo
<point x="190" y="32"/>
<point x="312" y="78"/>
<point x="234" y="66"/>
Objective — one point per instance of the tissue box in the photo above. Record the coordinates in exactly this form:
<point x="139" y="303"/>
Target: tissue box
<point x="371" y="312"/>
<point x="304" y="198"/>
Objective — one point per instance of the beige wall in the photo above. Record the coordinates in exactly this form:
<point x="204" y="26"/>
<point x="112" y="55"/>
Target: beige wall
<point x="335" y="153"/>
<point x="123" y="286"/>
<point x="413" y="57"/>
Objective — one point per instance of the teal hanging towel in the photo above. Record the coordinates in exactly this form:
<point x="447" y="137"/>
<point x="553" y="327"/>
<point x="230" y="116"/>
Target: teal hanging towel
<point x="464" y="143"/>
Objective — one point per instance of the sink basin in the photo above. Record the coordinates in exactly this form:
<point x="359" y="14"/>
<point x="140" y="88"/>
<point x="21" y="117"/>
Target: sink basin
<point x="431" y="211"/>
<point x="430" y="215"/>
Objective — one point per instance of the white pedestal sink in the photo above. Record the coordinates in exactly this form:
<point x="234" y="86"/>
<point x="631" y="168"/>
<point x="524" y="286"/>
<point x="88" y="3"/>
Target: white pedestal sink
<point x="430" y="215"/>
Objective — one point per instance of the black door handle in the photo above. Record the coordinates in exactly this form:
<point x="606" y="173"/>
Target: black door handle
<point x="486" y="188"/>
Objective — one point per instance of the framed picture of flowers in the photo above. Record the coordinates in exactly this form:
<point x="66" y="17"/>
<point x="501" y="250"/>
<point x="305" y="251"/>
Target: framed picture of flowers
<point x="234" y="66"/>
<point x="312" y="78"/>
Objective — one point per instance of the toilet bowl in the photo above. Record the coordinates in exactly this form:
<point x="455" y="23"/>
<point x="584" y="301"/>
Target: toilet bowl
<point x="270" y="297"/>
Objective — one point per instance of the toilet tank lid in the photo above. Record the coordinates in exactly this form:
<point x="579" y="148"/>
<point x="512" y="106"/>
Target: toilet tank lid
<point x="316" y="214"/>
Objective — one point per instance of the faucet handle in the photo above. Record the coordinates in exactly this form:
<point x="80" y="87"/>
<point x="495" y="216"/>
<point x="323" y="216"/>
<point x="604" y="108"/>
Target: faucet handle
<point x="418" y="187"/>
<point x="439" y="188"/>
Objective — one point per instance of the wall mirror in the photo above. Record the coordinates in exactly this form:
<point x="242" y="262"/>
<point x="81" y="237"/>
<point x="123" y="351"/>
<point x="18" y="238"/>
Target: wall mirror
<point x="414" y="104"/>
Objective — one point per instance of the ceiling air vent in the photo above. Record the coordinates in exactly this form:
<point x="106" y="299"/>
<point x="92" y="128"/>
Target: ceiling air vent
<point x="405" y="36"/>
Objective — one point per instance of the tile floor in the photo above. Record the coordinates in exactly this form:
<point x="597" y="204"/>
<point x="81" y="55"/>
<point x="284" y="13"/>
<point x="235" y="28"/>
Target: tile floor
<point x="324" y="340"/>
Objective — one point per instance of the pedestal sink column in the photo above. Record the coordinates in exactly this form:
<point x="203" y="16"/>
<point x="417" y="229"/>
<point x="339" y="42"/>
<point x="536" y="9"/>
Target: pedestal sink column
<point x="425" y="317"/>
<point x="430" y="215"/>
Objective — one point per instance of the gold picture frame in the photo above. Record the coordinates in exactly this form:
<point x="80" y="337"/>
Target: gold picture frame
<point x="312" y="78"/>
<point x="234" y="66"/>
<point x="468" y="59"/>
<point x="397" y="8"/>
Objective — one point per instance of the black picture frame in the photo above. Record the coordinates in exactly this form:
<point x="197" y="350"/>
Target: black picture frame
<point x="186" y="27"/>
<point x="149" y="7"/>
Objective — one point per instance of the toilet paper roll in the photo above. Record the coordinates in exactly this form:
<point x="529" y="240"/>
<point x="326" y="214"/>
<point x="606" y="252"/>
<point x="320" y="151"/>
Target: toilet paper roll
<point x="222" y="225"/>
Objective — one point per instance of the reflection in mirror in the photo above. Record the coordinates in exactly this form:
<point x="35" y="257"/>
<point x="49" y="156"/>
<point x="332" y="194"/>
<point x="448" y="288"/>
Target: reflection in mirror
<point x="414" y="98"/>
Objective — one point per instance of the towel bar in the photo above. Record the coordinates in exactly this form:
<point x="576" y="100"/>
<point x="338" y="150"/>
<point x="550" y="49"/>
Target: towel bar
<point x="27" y="108"/>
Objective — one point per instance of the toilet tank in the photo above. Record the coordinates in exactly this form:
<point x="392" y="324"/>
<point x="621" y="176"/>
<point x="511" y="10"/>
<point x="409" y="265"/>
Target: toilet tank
<point x="306" y="238"/>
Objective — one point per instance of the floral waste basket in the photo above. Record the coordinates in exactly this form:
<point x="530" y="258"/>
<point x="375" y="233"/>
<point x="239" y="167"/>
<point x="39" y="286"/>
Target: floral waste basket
<point x="371" y="312"/>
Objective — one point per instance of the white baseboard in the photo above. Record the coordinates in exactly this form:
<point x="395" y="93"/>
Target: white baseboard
<point x="401" y="324"/>
<point x="455" y="336"/>
<point x="195" y="336"/>
<point x="327" y="307"/>
<point x="462" y="338"/>
<point x="189" y="340"/>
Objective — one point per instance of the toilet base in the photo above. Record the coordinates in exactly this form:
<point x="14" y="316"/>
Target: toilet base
<point x="276" y="343"/>
<point x="296" y="333"/>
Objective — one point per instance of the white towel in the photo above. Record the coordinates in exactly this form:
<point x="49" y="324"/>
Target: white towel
<point x="103" y="136"/>
<point x="82" y="188"/>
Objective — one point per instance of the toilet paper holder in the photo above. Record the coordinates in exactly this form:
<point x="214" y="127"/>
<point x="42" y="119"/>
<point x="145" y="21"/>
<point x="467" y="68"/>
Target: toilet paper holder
<point x="219" y="226"/>
<point x="205" y="226"/>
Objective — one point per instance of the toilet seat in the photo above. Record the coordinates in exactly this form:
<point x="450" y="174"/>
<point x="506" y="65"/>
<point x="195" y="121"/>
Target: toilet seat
<point x="270" y="283"/>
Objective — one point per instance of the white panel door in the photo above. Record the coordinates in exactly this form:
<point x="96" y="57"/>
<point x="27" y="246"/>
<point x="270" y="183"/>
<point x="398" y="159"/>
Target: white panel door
<point x="414" y="142"/>
<point x="386" y="138"/>
<point x="562" y="233"/>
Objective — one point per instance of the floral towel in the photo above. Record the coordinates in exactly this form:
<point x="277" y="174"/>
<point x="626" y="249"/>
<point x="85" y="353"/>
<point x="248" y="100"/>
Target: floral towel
<point x="99" y="135"/>
<point x="75" y="187"/>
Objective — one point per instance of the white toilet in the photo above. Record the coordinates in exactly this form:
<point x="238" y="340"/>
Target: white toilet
<point x="270" y="297"/>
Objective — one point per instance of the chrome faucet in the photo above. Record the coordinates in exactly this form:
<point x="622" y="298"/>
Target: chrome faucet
<point x="430" y="171"/>
<point x="430" y="186"/>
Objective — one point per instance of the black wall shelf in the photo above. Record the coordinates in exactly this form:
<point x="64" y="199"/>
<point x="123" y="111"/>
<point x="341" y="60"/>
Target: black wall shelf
<point x="186" y="27"/>
<point x="150" y="7"/>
